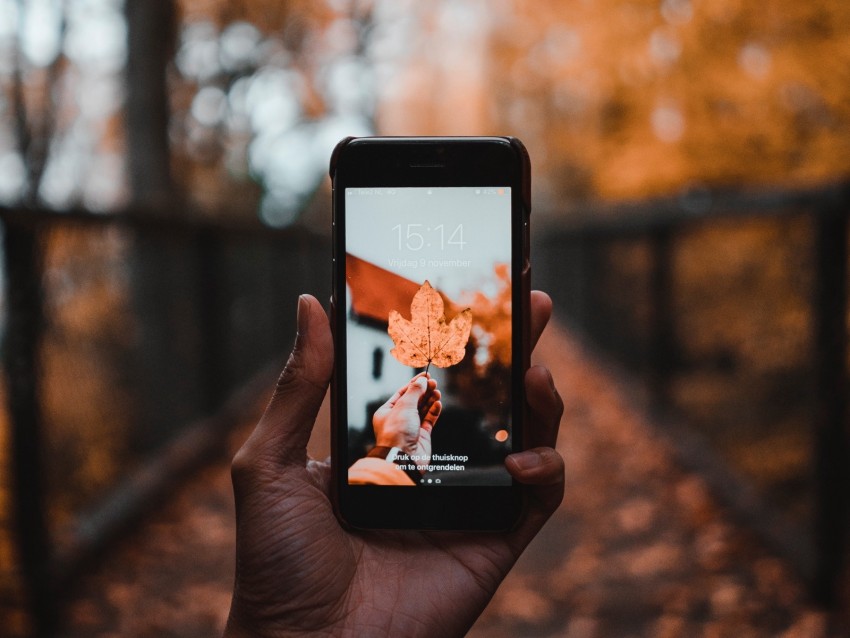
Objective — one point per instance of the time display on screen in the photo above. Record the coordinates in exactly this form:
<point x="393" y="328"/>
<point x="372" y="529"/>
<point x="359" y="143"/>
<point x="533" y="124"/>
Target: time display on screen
<point x="419" y="236"/>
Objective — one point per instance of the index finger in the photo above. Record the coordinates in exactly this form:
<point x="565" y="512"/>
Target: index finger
<point x="541" y="310"/>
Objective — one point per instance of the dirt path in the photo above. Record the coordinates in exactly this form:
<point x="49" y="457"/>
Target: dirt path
<point x="638" y="548"/>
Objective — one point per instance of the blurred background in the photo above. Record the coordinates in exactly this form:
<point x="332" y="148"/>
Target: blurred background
<point x="164" y="199"/>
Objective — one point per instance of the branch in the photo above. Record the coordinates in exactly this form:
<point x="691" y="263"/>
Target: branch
<point x="40" y="147"/>
<point x="33" y="141"/>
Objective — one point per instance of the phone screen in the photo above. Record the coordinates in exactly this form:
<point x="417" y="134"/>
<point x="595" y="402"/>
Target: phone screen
<point x="428" y="289"/>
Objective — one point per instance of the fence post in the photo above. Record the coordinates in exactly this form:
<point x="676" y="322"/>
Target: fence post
<point x="662" y="341"/>
<point x="831" y="455"/>
<point x="22" y="341"/>
<point x="212" y="311"/>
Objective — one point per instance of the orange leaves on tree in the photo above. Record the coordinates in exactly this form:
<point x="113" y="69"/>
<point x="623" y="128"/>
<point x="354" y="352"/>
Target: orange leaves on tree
<point x="427" y="338"/>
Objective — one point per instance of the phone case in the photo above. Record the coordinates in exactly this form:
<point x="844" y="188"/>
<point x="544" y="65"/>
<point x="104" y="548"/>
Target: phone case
<point x="524" y="308"/>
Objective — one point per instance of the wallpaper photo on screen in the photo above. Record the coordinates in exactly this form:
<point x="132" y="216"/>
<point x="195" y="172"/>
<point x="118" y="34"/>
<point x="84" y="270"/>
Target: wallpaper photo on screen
<point x="428" y="294"/>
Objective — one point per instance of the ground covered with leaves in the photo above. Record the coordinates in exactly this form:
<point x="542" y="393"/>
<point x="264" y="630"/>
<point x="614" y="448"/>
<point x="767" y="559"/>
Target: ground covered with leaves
<point x="639" y="546"/>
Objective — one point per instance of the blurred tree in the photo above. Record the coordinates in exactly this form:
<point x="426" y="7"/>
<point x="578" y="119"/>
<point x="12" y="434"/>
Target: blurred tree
<point x="483" y="376"/>
<point x="22" y="266"/>
<point x="35" y="123"/>
<point x="163" y="281"/>
<point x="151" y="31"/>
<point x="644" y="97"/>
<point x="262" y="93"/>
<point x="59" y="74"/>
<point x="34" y="104"/>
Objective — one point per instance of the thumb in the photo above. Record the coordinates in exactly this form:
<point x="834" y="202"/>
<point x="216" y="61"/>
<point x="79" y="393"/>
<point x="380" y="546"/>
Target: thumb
<point x="283" y="431"/>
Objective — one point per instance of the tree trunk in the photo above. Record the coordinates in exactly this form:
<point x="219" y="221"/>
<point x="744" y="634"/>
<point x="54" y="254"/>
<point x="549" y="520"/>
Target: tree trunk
<point x="150" y="42"/>
<point x="163" y="278"/>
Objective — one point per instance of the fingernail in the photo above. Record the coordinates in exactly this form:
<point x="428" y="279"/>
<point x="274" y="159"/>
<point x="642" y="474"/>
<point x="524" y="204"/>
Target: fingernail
<point x="301" y="320"/>
<point x="527" y="460"/>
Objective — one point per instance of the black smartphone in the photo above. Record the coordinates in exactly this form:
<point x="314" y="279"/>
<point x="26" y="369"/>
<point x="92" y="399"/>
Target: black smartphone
<point x="431" y="330"/>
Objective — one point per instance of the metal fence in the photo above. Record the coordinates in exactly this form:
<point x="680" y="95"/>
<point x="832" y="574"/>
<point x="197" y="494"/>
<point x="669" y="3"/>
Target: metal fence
<point x="202" y="306"/>
<point x="645" y="325"/>
<point x="131" y="342"/>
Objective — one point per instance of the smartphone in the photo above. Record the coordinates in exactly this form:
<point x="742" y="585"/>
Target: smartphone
<point x="430" y="315"/>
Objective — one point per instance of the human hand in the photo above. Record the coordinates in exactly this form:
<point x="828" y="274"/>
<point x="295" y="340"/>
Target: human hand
<point x="299" y="573"/>
<point x="405" y="421"/>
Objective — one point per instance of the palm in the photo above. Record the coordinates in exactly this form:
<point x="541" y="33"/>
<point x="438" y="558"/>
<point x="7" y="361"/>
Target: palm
<point x="331" y="579"/>
<point x="406" y="421"/>
<point x="423" y="445"/>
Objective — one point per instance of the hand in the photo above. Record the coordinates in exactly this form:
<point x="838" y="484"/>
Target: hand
<point x="299" y="573"/>
<point x="406" y="420"/>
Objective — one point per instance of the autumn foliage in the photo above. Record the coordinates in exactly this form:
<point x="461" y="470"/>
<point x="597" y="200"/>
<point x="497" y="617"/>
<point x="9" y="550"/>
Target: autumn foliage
<point x="427" y="338"/>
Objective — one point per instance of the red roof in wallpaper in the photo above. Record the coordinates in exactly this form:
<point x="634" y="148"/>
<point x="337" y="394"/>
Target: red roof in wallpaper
<point x="375" y="291"/>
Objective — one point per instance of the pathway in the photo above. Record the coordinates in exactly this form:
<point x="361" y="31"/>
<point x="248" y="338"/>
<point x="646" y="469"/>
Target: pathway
<point x="638" y="548"/>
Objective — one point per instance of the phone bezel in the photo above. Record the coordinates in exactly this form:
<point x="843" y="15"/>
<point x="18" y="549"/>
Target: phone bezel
<point x="435" y="162"/>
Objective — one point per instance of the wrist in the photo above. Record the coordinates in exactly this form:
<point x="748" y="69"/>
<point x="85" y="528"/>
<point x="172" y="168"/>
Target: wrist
<point x="236" y="628"/>
<point x="388" y="453"/>
<point x="391" y="455"/>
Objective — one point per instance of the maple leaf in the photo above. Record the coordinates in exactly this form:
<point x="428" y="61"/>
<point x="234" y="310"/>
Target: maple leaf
<point x="427" y="338"/>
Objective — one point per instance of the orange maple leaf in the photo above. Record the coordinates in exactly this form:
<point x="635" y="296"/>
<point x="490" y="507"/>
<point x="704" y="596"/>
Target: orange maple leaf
<point x="427" y="338"/>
